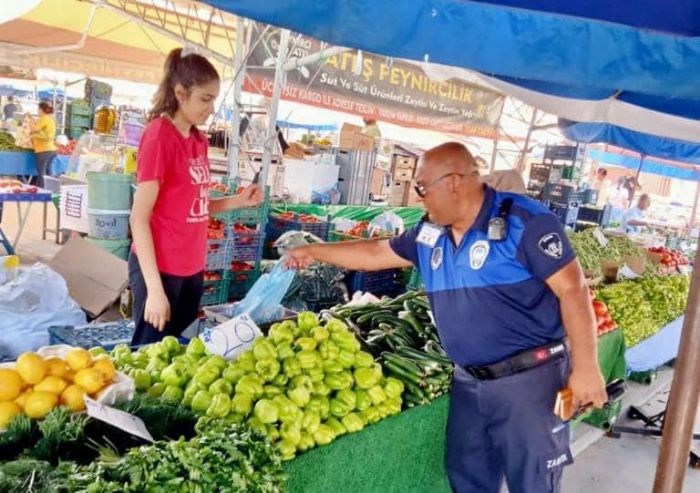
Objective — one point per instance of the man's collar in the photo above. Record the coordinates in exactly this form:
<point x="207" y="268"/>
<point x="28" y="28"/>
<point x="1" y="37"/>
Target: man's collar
<point x="482" y="219"/>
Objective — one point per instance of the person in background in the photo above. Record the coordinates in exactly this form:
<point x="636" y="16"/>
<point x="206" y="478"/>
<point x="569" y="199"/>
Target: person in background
<point x="634" y="218"/>
<point x="10" y="109"/>
<point x="618" y="199"/>
<point x="602" y="184"/>
<point x="496" y="302"/>
<point x="171" y="208"/>
<point x="43" y="133"/>
<point x="371" y="129"/>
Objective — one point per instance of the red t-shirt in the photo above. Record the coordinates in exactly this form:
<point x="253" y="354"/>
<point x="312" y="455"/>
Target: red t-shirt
<point x="181" y="212"/>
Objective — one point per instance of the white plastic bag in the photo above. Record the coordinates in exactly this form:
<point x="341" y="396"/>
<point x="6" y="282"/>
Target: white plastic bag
<point x="387" y="222"/>
<point x="36" y="300"/>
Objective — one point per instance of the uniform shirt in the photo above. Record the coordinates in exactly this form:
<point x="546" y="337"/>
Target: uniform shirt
<point x="489" y="298"/>
<point x="44" y="135"/>
<point x="634" y="214"/>
<point x="181" y="212"/>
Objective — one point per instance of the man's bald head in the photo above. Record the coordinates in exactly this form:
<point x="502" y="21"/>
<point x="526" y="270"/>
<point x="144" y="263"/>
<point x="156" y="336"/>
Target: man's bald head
<point x="451" y="157"/>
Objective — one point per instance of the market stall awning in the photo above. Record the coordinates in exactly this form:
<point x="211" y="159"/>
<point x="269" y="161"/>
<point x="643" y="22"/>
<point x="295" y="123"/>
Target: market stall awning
<point x="655" y="166"/>
<point x="125" y="39"/>
<point x="641" y="46"/>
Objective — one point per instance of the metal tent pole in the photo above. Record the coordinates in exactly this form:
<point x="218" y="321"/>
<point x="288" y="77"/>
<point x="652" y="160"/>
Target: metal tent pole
<point x="694" y="210"/>
<point x="271" y="136"/>
<point x="683" y="401"/>
<point x="234" y="145"/>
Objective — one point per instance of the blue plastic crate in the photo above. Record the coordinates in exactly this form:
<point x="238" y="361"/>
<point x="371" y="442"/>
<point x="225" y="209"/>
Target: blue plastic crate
<point x="379" y="283"/>
<point x="277" y="226"/>
<point x="246" y="246"/>
<point x="106" y="335"/>
<point x="219" y="254"/>
<point x="249" y="215"/>
<point x="241" y="281"/>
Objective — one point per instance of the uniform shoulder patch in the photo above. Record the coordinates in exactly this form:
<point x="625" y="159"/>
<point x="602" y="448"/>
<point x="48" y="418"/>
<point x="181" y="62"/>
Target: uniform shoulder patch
<point x="478" y="253"/>
<point x="551" y="245"/>
<point x="436" y="258"/>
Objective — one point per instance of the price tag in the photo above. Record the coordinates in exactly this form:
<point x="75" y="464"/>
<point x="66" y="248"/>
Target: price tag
<point x="600" y="237"/>
<point x="232" y="337"/>
<point x="119" y="419"/>
<point x="627" y="273"/>
<point x="683" y="269"/>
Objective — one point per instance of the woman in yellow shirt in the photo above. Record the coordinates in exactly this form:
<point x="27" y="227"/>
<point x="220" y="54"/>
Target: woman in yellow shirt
<point x="43" y="133"/>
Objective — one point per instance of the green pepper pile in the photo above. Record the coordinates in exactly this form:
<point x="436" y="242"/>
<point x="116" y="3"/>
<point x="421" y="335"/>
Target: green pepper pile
<point x="303" y="385"/>
<point x="590" y="252"/>
<point x="400" y="333"/>
<point x="7" y="144"/>
<point x="642" y="307"/>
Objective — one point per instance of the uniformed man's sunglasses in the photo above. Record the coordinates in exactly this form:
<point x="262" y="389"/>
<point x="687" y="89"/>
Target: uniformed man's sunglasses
<point x="422" y="190"/>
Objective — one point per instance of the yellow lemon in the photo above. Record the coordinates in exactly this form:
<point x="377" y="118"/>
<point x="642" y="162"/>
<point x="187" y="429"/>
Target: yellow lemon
<point x="105" y="366"/>
<point x="78" y="359"/>
<point x="56" y="367"/>
<point x="10" y="384"/>
<point x="90" y="379"/>
<point x="31" y="367"/>
<point x="22" y="399"/>
<point x="8" y="410"/>
<point x="72" y="398"/>
<point x="39" y="404"/>
<point x="51" y="384"/>
<point x="70" y="374"/>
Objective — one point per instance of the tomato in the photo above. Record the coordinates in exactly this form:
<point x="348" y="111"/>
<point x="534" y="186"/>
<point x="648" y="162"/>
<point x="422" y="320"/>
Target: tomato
<point x="599" y="308"/>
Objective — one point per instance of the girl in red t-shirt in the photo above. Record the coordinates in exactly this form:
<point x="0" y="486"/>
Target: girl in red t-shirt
<point x="172" y="206"/>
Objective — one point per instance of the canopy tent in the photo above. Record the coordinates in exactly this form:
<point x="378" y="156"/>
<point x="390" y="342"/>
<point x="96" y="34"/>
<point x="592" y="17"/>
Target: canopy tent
<point x="633" y="161"/>
<point x="121" y="39"/>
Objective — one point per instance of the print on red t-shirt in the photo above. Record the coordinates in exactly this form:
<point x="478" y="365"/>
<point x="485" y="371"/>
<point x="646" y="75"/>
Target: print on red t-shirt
<point x="180" y="214"/>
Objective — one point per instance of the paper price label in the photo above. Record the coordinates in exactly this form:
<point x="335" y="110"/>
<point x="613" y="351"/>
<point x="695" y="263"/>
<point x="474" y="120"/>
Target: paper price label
<point x="232" y="337"/>
<point x="600" y="237"/>
<point x="119" y="419"/>
<point x="627" y="273"/>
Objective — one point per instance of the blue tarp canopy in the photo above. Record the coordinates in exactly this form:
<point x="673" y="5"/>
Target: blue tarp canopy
<point x="330" y="127"/>
<point x="650" y="165"/>
<point x="13" y="91"/>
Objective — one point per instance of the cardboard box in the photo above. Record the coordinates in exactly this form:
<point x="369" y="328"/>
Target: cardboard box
<point x="351" y="138"/>
<point x="399" y="194"/>
<point x="347" y="135"/>
<point x="403" y="174"/>
<point x="377" y="186"/>
<point x="95" y="277"/>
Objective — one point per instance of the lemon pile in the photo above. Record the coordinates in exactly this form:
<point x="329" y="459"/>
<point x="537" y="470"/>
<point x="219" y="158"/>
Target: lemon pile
<point x="36" y="385"/>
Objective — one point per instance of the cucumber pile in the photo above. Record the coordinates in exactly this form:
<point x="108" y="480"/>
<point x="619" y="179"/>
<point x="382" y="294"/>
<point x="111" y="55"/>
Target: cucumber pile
<point x="400" y="333"/>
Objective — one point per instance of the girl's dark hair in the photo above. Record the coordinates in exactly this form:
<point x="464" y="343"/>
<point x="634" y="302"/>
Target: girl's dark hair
<point x="188" y="71"/>
<point x="46" y="107"/>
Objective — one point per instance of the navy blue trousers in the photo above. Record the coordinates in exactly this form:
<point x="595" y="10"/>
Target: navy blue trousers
<point x="504" y="428"/>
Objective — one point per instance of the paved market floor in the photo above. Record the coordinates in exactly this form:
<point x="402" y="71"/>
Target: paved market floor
<point x="602" y="464"/>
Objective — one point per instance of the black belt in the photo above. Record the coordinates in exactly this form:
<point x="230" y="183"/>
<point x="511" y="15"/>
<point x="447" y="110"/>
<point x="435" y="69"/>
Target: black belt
<point x="520" y="362"/>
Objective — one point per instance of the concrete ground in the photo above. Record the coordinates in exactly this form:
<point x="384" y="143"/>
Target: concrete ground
<point x="602" y="464"/>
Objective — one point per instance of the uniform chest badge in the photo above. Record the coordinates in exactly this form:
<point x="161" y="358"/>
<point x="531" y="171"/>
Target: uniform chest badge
<point x="478" y="253"/>
<point x="436" y="258"/>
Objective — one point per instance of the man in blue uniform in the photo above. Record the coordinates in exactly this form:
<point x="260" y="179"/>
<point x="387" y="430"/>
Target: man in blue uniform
<point x="506" y="291"/>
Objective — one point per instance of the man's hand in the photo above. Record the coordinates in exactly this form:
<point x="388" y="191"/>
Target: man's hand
<point x="299" y="258"/>
<point x="251" y="196"/>
<point x="588" y="387"/>
<point x="157" y="311"/>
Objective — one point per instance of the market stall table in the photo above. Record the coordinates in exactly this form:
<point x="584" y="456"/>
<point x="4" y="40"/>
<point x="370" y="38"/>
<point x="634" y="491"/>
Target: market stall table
<point x="657" y="350"/>
<point x="28" y="198"/>
<point x="24" y="164"/>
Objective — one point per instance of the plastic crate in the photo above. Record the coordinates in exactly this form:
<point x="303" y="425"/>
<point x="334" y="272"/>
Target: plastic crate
<point x="241" y="281"/>
<point x="246" y="247"/>
<point x="277" y="226"/>
<point x="561" y="194"/>
<point x="379" y="283"/>
<point x="215" y="292"/>
<point x="249" y="215"/>
<point x="219" y="254"/>
<point x="335" y="236"/>
<point x="567" y="214"/>
<point x="106" y="335"/>
<point x="595" y="215"/>
<point x="416" y="281"/>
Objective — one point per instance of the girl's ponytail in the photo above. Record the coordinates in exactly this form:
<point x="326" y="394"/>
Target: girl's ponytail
<point x="188" y="71"/>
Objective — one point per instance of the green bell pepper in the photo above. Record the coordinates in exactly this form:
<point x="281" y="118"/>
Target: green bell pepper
<point x="291" y="432"/>
<point x="353" y="423"/>
<point x="346" y="359"/>
<point x="242" y="404"/>
<point x="306" y="343"/>
<point x="291" y="367"/>
<point x="288" y="411"/>
<point x="370" y="415"/>
<point x="281" y="380"/>
<point x="337" y="426"/>
<point x="320" y="388"/>
<point x="339" y="381"/>
<point x="172" y="393"/>
<point x="299" y="396"/>
<point x="280" y="333"/>
<point x="328" y="350"/>
<point x="303" y="381"/>
<point x="272" y="433"/>
<point x="233" y="373"/>
<point x="316" y="374"/>
<point x="201" y="401"/>
<point x="348" y="398"/>
<point x="206" y="375"/>
<point x="250" y="384"/>
<point x="220" y="406"/>
<point x="257" y="425"/>
<point x="363" y="401"/>
<point x="142" y="379"/>
<point x="320" y="333"/>
<point x="221" y="386"/>
<point x="267" y="368"/>
<point x="363" y="360"/>
<point x="377" y="395"/>
<point x="263" y="348"/>
<point x="196" y="347"/>
<point x="285" y="350"/>
<point x="286" y="449"/>
<point x="306" y="442"/>
<point x="172" y="345"/>
<point x="335" y="325"/>
<point x="307" y="321"/>
<point x="270" y="391"/>
<point x="339" y="408"/>
<point x="157" y="389"/>
<point x="266" y="411"/>
<point x="332" y="366"/>
<point x="366" y="378"/>
<point x="218" y="362"/>
<point x="324" y="435"/>
<point x="311" y="421"/>
<point x="393" y="387"/>
<point x="234" y="419"/>
<point x="308" y="358"/>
